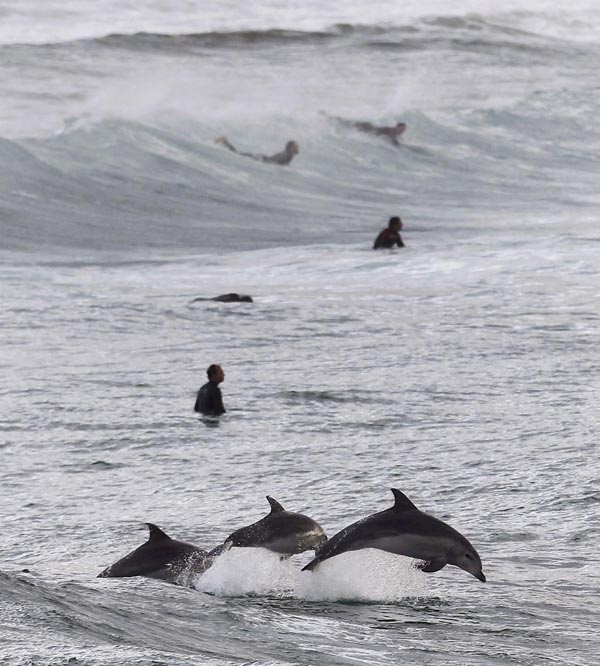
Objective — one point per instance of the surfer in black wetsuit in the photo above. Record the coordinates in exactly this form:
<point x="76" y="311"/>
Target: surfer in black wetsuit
<point x="390" y="236"/>
<point x="393" y="132"/>
<point x="209" y="400"/>
<point x="283" y="158"/>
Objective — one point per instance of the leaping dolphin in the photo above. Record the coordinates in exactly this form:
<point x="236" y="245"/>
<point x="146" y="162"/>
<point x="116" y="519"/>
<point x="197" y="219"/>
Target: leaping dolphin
<point x="404" y="530"/>
<point x="163" y="558"/>
<point x="281" y="531"/>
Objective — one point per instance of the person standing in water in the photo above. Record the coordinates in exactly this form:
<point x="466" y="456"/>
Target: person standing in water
<point x="283" y="158"/>
<point x="390" y="236"/>
<point x="209" y="400"/>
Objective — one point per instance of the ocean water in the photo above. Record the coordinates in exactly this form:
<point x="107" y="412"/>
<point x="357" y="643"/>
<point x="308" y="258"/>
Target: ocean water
<point x="463" y="369"/>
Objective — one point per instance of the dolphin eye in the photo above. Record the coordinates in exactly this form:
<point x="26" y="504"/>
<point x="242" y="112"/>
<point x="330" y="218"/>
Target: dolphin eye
<point x="468" y="556"/>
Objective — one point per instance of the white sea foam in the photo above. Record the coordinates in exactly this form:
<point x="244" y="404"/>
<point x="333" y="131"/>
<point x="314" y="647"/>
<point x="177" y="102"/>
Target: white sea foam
<point x="368" y="576"/>
<point x="248" y="571"/>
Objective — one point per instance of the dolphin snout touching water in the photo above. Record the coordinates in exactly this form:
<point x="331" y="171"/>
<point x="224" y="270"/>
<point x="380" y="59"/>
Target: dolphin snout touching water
<point x="281" y="531"/>
<point x="404" y="530"/>
<point x="163" y="558"/>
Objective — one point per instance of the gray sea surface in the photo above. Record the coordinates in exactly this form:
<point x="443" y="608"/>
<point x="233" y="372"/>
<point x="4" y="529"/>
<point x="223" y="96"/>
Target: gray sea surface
<point x="467" y="377"/>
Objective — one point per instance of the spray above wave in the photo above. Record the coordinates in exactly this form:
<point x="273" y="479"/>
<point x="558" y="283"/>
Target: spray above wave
<point x="164" y="185"/>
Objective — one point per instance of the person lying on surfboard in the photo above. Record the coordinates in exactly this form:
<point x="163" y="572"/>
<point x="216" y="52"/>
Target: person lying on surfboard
<point x="283" y="158"/>
<point x="393" y="133"/>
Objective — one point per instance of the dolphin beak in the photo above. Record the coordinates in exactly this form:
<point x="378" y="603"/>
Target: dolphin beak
<point x="480" y="576"/>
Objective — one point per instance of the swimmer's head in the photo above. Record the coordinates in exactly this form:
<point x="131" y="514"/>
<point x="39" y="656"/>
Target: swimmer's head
<point x="292" y="147"/>
<point x="399" y="129"/>
<point x="395" y="223"/>
<point x="215" y="373"/>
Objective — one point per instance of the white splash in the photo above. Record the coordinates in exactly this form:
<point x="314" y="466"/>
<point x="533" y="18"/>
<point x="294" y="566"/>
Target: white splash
<point x="367" y="576"/>
<point x="248" y="571"/>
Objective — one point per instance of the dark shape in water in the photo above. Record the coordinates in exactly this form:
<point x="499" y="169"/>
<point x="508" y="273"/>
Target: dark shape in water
<point x="226" y="298"/>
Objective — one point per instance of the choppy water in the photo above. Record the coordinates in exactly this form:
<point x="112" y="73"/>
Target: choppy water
<point x="463" y="369"/>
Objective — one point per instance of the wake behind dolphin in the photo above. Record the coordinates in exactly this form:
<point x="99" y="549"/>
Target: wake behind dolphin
<point x="404" y="530"/>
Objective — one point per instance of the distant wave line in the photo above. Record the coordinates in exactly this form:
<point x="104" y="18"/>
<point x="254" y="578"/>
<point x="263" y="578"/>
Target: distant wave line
<point x="419" y="34"/>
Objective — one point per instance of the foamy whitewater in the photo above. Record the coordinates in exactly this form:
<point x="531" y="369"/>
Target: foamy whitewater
<point x="462" y="369"/>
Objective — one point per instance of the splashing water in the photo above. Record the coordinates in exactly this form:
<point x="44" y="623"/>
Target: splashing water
<point x="365" y="576"/>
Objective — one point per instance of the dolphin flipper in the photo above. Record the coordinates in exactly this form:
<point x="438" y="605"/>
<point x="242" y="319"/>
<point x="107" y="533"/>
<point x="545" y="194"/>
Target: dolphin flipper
<point x="312" y="564"/>
<point x="433" y="565"/>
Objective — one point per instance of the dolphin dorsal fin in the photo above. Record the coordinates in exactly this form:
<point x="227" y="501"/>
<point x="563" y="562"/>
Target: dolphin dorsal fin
<point x="275" y="506"/>
<point x="402" y="503"/>
<point x="156" y="533"/>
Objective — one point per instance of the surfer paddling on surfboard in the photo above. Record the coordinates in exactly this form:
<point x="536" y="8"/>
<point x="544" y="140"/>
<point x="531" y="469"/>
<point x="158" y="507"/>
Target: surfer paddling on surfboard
<point x="283" y="158"/>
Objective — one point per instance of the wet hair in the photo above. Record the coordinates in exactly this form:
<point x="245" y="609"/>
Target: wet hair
<point x="212" y="370"/>
<point x="394" y="220"/>
<point x="292" y="146"/>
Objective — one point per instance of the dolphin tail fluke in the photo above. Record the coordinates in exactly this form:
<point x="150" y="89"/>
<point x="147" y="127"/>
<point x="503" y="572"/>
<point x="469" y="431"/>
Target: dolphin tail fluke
<point x="312" y="564"/>
<point x="219" y="550"/>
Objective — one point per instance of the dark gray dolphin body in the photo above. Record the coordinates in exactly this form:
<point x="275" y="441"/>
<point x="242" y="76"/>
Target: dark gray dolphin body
<point x="281" y="531"/>
<point x="404" y="530"/>
<point x="163" y="558"/>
